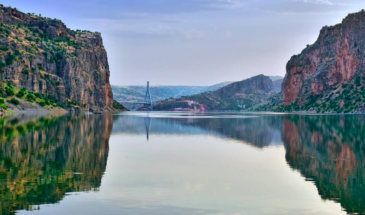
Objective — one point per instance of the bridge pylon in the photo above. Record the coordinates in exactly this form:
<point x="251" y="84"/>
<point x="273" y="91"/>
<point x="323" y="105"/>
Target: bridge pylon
<point x="147" y="104"/>
<point x="148" y="98"/>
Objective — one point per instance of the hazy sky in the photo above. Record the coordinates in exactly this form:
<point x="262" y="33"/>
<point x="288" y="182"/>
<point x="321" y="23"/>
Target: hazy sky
<point x="196" y="42"/>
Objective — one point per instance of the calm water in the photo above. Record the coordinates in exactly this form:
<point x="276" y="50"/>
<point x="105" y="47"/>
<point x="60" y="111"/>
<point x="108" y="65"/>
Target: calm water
<point x="182" y="163"/>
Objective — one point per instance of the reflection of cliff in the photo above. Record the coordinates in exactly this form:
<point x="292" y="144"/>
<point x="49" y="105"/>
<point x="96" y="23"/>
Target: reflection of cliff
<point x="330" y="151"/>
<point x="257" y="131"/>
<point x="42" y="160"/>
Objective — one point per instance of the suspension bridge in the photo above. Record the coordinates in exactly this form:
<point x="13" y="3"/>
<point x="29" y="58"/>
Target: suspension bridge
<point x="147" y="103"/>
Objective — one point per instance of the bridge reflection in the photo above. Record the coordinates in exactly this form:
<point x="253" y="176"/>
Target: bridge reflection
<point x="259" y="132"/>
<point x="147" y="125"/>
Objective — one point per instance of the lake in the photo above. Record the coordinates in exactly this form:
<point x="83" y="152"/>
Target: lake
<point x="182" y="163"/>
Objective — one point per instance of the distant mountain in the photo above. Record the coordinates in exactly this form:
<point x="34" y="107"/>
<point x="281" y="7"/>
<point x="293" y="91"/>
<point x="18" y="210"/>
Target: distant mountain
<point x="217" y="86"/>
<point x="137" y="93"/>
<point x="240" y="95"/>
<point x="277" y="85"/>
<point x="275" y="78"/>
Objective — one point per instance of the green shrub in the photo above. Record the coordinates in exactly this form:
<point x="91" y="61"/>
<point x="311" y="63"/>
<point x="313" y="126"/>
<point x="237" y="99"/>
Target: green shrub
<point x="358" y="81"/>
<point x="42" y="103"/>
<point x="30" y="97"/>
<point x="4" y="106"/>
<point x="14" y="101"/>
<point x="2" y="101"/>
<point x="21" y="93"/>
<point x="25" y="71"/>
<point x="38" y="95"/>
<point x="17" y="52"/>
<point x="4" y="48"/>
<point x="10" y="60"/>
<point x="9" y="91"/>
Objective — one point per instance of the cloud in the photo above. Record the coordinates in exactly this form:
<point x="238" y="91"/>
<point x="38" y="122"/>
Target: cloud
<point x="163" y="7"/>
<point x="194" y="34"/>
<point x="223" y="4"/>
<point x="327" y="2"/>
<point x="227" y="34"/>
<point x="306" y="6"/>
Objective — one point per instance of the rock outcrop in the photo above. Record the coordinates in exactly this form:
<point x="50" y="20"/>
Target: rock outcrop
<point x="236" y="96"/>
<point x="328" y="69"/>
<point x="44" y="56"/>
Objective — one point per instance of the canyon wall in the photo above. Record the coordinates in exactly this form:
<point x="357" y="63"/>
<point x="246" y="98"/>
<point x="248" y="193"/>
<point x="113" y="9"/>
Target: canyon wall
<point x="326" y="67"/>
<point x="44" y="56"/>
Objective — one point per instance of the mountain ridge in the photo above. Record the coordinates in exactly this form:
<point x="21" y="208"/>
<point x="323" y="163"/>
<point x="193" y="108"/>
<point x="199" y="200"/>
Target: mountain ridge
<point x="160" y="92"/>
<point x="239" y="95"/>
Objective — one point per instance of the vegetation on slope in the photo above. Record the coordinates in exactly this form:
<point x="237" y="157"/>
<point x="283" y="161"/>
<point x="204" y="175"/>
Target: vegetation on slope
<point x="347" y="98"/>
<point x="43" y="56"/>
<point x="11" y="96"/>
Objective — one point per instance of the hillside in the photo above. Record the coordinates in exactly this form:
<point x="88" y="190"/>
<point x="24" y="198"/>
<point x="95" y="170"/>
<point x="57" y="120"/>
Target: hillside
<point x="51" y="65"/>
<point x="236" y="96"/>
<point x="137" y="93"/>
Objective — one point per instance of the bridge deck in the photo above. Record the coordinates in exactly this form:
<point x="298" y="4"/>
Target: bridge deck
<point x="143" y="103"/>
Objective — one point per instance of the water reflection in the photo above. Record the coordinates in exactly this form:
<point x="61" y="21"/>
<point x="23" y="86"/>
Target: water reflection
<point x="326" y="149"/>
<point x="44" y="157"/>
<point x="330" y="151"/>
<point x="260" y="131"/>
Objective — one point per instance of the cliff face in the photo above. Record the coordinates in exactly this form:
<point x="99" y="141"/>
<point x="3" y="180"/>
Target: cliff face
<point x="336" y="58"/>
<point x="236" y="96"/>
<point x="44" y="56"/>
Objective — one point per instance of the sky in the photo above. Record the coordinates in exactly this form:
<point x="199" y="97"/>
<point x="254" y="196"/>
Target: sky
<point x="196" y="42"/>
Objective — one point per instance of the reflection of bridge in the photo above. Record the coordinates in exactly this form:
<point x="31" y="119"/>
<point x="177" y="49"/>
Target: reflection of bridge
<point x="147" y="125"/>
<point x="147" y="103"/>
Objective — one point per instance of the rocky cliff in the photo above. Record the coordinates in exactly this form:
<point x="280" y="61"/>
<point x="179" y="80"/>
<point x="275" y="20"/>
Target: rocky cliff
<point x="236" y="96"/>
<point x="329" y="75"/>
<point x="43" y="56"/>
